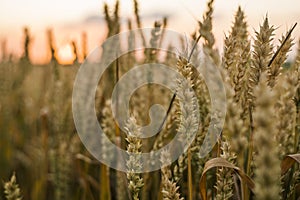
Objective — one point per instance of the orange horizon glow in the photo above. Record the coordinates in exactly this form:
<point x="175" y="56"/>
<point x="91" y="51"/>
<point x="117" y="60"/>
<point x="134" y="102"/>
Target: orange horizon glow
<point x="69" y="20"/>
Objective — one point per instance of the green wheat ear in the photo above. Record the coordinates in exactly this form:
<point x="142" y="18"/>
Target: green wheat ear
<point x="11" y="189"/>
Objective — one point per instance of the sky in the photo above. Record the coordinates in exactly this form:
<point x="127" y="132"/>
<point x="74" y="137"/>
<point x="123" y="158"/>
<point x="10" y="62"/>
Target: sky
<point x="69" y="18"/>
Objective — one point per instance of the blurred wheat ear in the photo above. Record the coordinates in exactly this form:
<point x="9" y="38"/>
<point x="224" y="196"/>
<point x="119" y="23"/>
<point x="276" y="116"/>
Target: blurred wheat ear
<point x="11" y="189"/>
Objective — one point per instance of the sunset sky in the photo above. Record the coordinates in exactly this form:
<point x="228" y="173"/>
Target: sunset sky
<point x="69" y="18"/>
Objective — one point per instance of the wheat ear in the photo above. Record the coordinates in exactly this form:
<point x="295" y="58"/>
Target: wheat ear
<point x="262" y="53"/>
<point x="135" y="182"/>
<point x="170" y="190"/>
<point x="267" y="172"/>
<point x="280" y="56"/>
<point x="225" y="181"/>
<point x="12" y="190"/>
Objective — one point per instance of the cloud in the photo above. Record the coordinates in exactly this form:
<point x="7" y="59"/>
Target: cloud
<point x="97" y="19"/>
<point x="93" y="19"/>
<point x="147" y="16"/>
<point x="157" y="14"/>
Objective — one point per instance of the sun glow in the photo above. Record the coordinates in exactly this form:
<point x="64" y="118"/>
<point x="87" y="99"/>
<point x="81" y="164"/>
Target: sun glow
<point x="65" y="54"/>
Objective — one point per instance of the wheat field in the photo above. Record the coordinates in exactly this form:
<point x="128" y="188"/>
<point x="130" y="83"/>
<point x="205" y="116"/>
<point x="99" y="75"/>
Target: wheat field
<point x="257" y="155"/>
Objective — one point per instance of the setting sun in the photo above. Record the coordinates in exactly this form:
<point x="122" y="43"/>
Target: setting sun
<point x="65" y="55"/>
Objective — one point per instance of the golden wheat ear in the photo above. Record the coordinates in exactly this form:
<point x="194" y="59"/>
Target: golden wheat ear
<point x="267" y="171"/>
<point x="276" y="63"/>
<point x="169" y="188"/>
<point x="135" y="181"/>
<point x="225" y="178"/>
<point x="206" y="31"/>
<point x="262" y="53"/>
<point x="12" y="190"/>
<point x="236" y="58"/>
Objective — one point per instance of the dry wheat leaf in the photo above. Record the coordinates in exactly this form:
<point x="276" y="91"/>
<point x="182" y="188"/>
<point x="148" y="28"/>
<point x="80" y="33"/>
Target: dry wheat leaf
<point x="288" y="162"/>
<point x="221" y="162"/>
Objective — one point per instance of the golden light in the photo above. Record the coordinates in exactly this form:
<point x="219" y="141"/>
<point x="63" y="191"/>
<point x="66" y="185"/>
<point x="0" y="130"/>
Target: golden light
<point x="65" y="54"/>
